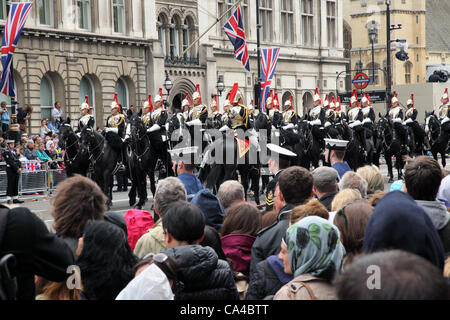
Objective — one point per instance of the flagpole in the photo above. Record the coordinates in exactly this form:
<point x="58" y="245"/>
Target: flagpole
<point x="258" y="49"/>
<point x="207" y="30"/>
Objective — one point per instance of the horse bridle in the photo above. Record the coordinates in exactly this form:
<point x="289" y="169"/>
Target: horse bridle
<point x="383" y="136"/>
<point x="102" y="143"/>
<point x="66" y="154"/>
<point x="139" y="157"/>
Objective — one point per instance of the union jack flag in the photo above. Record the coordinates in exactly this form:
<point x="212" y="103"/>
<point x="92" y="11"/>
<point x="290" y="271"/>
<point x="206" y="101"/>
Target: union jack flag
<point x="234" y="28"/>
<point x="17" y="16"/>
<point x="269" y="59"/>
<point x="31" y="166"/>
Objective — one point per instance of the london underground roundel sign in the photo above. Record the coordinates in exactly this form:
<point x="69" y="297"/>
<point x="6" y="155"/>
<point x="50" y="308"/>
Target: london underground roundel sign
<point x="361" y="81"/>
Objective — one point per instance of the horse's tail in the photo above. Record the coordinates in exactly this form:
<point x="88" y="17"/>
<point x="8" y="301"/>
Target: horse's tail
<point x="213" y="176"/>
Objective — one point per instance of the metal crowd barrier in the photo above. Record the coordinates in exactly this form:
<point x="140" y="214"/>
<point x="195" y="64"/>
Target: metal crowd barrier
<point x="40" y="181"/>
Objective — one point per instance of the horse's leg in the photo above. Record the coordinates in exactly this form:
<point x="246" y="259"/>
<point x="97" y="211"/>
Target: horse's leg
<point x="255" y="184"/>
<point x="141" y="186"/>
<point x="388" y="158"/>
<point x="243" y="171"/>
<point x="134" y="183"/>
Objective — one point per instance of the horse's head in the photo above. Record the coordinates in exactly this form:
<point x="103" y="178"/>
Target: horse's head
<point x="261" y="122"/>
<point x="385" y="124"/>
<point x="432" y="123"/>
<point x="86" y="138"/>
<point x="65" y="131"/>
<point x="137" y="128"/>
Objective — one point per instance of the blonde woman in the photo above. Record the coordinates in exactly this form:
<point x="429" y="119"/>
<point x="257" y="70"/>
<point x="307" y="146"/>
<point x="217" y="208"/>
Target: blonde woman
<point x="374" y="178"/>
<point x="341" y="199"/>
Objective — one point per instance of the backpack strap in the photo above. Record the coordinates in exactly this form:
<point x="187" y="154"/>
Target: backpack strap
<point x="293" y="290"/>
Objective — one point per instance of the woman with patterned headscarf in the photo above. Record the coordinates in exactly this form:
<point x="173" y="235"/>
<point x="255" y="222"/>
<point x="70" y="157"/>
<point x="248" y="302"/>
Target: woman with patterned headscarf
<point x="312" y="251"/>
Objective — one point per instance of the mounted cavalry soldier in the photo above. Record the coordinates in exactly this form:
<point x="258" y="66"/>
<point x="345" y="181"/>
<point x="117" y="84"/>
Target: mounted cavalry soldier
<point x="368" y="116"/>
<point x="252" y="113"/>
<point x="410" y="121"/>
<point x="185" y="106"/>
<point x="225" y="119"/>
<point x="444" y="112"/>
<point x="199" y="113"/>
<point x="277" y="117"/>
<point x="86" y="118"/>
<point x="158" y="118"/>
<point x="317" y="113"/>
<point x="290" y="118"/>
<point x="215" y="120"/>
<point x="355" y="118"/>
<point x="115" y="130"/>
<point x="396" y="114"/>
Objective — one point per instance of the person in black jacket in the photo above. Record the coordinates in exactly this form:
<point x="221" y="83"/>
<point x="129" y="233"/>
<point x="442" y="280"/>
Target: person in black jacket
<point x="295" y="185"/>
<point x="203" y="274"/>
<point x="38" y="252"/>
<point x="13" y="169"/>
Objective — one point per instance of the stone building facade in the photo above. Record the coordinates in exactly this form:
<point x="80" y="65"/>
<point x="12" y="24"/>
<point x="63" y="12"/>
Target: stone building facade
<point x="423" y="27"/>
<point x="70" y="48"/>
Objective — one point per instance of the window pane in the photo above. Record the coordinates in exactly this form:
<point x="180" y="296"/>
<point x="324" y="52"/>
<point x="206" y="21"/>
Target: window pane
<point x="121" y="93"/>
<point x="46" y="94"/>
<point x="86" y="89"/>
<point x="45" y="12"/>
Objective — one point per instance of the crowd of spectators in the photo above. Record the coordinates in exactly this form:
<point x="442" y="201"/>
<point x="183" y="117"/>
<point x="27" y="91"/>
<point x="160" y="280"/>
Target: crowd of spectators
<point x="317" y="241"/>
<point x="43" y="147"/>
<point x="216" y="247"/>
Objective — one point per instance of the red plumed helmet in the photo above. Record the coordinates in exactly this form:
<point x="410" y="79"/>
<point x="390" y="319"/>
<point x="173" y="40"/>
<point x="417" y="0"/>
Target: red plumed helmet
<point x="339" y="104"/>
<point x="150" y="104"/>
<point x="292" y="103"/>
<point x="233" y="92"/>
<point x="86" y="98"/>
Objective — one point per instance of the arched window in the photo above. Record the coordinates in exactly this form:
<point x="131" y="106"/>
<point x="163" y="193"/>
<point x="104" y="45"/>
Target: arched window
<point x="285" y="97"/>
<point x="307" y="102"/>
<point x="174" y="37"/>
<point x="162" y="24"/>
<point x="122" y="93"/>
<point x="47" y="93"/>
<point x="86" y="89"/>
<point x="408" y="71"/>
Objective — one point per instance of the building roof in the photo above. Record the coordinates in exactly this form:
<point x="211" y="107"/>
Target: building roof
<point x="438" y="13"/>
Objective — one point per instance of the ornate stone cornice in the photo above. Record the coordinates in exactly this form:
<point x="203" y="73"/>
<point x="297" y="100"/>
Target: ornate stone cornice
<point x="394" y="11"/>
<point x="77" y="36"/>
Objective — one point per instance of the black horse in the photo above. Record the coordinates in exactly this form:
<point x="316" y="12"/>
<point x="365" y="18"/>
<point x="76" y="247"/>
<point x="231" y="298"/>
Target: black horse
<point x="438" y="138"/>
<point x="75" y="161"/>
<point x="313" y="144"/>
<point x="103" y="158"/>
<point x="228" y="163"/>
<point x="392" y="146"/>
<point x="141" y="162"/>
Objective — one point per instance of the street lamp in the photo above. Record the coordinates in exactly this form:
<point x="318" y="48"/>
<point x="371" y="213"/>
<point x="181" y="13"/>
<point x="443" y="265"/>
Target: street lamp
<point x="389" y="28"/>
<point x="220" y="86"/>
<point x="168" y="85"/>
<point x="373" y="35"/>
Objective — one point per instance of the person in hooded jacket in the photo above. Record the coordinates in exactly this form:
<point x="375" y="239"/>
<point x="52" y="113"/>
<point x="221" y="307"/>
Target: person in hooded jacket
<point x="203" y="274"/>
<point x="213" y="211"/>
<point x="37" y="251"/>
<point x="423" y="176"/>
<point x="398" y="222"/>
